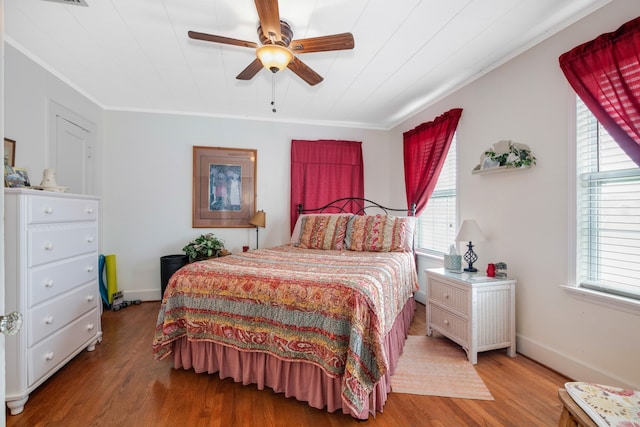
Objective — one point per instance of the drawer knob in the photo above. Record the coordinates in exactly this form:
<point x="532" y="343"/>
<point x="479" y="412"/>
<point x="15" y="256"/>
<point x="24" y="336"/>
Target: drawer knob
<point x="48" y="284"/>
<point x="48" y="246"/>
<point x="89" y="298"/>
<point x="90" y="239"/>
<point x="89" y="211"/>
<point x="49" y="356"/>
<point x="90" y="327"/>
<point x="48" y="320"/>
<point x="446" y="296"/>
<point x="90" y="269"/>
<point x="48" y="210"/>
<point x="446" y="322"/>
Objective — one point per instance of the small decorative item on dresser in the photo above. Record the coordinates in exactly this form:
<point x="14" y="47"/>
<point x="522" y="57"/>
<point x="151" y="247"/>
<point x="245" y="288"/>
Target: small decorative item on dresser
<point x="49" y="182"/>
<point x="453" y="263"/>
<point x="491" y="270"/>
<point x="501" y="270"/>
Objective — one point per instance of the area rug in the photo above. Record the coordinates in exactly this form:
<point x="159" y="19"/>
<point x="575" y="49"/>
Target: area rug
<point x="437" y="367"/>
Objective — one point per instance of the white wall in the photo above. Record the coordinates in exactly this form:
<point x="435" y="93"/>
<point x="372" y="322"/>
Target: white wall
<point x="144" y="179"/>
<point x="29" y="90"/>
<point x="525" y="213"/>
<point x="148" y="182"/>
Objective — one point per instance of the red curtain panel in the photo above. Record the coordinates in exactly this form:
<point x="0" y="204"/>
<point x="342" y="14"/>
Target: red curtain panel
<point x="425" y="150"/>
<point x="605" y="73"/>
<point x="323" y="171"/>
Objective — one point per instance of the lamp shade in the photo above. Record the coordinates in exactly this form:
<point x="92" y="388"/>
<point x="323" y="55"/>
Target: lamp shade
<point x="274" y="57"/>
<point x="259" y="219"/>
<point x="469" y="231"/>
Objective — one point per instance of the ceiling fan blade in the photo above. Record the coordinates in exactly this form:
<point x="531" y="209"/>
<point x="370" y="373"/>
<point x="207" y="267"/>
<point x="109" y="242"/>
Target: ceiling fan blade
<point x="220" y="39"/>
<point x="269" y="15"/>
<point x="304" y="72"/>
<point x="250" y="71"/>
<point x="323" y="44"/>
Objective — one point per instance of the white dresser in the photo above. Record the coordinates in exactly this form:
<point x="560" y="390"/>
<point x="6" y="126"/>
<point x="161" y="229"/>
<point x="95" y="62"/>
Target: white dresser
<point x="477" y="313"/>
<point x="51" y="277"/>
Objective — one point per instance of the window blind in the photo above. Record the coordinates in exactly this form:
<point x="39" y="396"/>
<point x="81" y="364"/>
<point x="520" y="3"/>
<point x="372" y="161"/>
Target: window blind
<point x="437" y="224"/>
<point x="608" y="211"/>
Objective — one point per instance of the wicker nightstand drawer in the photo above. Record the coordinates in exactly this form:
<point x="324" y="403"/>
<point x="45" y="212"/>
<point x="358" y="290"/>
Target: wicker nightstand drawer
<point x="449" y="324"/>
<point x="450" y="296"/>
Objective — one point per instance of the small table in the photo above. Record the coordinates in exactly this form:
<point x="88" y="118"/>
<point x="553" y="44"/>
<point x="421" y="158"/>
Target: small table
<point x="474" y="311"/>
<point x="572" y="414"/>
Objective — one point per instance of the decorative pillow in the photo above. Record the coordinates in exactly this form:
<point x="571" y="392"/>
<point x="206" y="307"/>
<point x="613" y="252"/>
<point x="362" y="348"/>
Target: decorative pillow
<point x="323" y="232"/>
<point x="377" y="233"/>
<point x="410" y="233"/>
<point x="295" y="234"/>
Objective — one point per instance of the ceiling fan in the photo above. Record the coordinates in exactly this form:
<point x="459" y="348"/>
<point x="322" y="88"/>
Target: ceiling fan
<point x="277" y="49"/>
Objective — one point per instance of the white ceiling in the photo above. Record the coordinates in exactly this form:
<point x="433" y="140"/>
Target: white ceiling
<point x="135" y="54"/>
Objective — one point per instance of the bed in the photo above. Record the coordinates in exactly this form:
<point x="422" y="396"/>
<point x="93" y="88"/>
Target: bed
<point x="322" y="318"/>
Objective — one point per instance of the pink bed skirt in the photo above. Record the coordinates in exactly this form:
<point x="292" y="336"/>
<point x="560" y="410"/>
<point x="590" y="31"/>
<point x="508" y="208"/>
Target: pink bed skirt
<point x="304" y="381"/>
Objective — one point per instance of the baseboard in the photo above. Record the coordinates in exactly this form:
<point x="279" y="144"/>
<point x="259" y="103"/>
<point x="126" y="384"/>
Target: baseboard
<point x="144" y="295"/>
<point x="571" y="367"/>
<point x="421" y="296"/>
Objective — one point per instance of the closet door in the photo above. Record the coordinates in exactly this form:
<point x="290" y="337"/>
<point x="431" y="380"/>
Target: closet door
<point x="73" y="156"/>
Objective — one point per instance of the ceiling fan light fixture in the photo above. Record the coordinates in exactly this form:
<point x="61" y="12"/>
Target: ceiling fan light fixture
<point x="274" y="57"/>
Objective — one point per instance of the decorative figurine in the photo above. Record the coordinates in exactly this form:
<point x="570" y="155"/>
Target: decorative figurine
<point x="501" y="270"/>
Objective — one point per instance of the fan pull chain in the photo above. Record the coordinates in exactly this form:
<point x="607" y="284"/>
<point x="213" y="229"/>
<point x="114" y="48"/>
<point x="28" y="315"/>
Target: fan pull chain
<point x="273" y="93"/>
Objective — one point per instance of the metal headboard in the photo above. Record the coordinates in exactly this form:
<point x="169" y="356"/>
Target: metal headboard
<point x="343" y="205"/>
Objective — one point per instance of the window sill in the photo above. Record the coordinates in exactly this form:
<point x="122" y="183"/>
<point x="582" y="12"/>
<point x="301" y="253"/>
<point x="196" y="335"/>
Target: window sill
<point x="429" y="255"/>
<point x="612" y="301"/>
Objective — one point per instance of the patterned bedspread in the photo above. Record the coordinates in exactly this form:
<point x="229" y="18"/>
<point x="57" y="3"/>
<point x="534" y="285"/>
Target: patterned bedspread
<point x="329" y="308"/>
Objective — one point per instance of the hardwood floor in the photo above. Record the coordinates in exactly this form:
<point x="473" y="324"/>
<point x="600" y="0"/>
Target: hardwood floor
<point x="120" y="384"/>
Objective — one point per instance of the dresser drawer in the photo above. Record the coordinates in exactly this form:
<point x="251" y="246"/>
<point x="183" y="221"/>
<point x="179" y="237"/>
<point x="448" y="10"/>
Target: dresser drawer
<point x="449" y="296"/>
<point x="449" y="324"/>
<point x="50" y="244"/>
<point x="53" y="315"/>
<point x="49" y="281"/>
<point x="44" y="209"/>
<point x="51" y="352"/>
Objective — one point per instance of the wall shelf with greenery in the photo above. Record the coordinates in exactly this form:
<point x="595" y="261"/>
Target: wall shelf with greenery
<point x="505" y="156"/>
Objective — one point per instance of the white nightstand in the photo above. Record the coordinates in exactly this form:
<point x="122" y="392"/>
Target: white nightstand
<point x="479" y="313"/>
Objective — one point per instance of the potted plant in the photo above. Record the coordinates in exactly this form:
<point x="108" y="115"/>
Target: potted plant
<point x="509" y="154"/>
<point x="203" y="247"/>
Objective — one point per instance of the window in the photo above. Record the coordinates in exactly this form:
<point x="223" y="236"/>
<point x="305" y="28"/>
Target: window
<point x="437" y="224"/>
<point x="608" y="211"/>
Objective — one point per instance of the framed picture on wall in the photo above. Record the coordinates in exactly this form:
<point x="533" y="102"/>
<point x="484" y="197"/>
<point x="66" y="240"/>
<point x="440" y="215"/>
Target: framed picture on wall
<point x="9" y="152"/>
<point x="224" y="187"/>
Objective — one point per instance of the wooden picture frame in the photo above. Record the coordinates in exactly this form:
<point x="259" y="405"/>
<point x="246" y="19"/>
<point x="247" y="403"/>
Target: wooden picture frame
<point x="224" y="187"/>
<point x="9" y="152"/>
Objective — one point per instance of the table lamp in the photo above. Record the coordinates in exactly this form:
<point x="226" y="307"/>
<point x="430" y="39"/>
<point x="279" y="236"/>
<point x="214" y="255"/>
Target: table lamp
<point x="259" y="220"/>
<point x="470" y="231"/>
